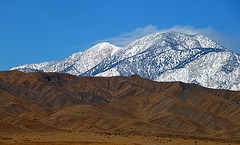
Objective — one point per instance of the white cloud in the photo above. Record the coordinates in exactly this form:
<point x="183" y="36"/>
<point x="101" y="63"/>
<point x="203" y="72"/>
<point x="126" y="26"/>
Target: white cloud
<point x="128" y="37"/>
<point x="229" y="41"/>
<point x="189" y="30"/>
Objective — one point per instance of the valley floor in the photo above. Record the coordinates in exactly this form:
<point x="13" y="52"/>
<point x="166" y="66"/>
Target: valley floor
<point x="85" y="138"/>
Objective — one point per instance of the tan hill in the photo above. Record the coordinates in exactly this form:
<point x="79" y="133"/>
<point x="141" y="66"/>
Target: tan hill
<point x="58" y="103"/>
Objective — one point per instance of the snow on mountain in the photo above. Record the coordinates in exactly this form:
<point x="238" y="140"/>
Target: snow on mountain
<point x="172" y="56"/>
<point x="163" y="50"/>
<point x="213" y="70"/>
<point x="80" y="62"/>
<point x="36" y="66"/>
<point x="164" y="56"/>
<point x="77" y="63"/>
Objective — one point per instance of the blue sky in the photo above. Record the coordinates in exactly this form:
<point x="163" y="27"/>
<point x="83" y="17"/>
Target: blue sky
<point x="34" y="31"/>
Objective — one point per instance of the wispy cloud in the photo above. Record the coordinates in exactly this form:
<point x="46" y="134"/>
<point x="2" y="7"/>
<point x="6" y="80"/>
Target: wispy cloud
<point x="128" y="37"/>
<point x="229" y="41"/>
<point x="188" y="30"/>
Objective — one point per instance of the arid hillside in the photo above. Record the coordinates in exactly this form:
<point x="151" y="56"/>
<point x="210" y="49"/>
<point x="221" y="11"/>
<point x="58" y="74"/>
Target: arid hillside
<point x="54" y="102"/>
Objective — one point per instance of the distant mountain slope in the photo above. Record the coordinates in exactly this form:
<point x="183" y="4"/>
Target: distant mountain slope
<point x="192" y="58"/>
<point x="214" y="70"/>
<point x="165" y="56"/>
<point x="55" y="102"/>
<point x="77" y="63"/>
<point x="36" y="67"/>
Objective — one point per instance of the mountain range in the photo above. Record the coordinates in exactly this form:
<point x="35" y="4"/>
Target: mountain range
<point x="163" y="57"/>
<point x="56" y="102"/>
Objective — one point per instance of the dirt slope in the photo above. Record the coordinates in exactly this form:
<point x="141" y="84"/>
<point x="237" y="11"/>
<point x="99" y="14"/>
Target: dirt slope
<point x="53" y="102"/>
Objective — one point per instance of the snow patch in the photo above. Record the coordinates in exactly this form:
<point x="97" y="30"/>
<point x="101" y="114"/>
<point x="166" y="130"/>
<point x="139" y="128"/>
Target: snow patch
<point x="109" y="73"/>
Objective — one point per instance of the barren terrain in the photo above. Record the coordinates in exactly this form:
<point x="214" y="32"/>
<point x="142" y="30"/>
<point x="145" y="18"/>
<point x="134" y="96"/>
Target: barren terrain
<point x="53" y="108"/>
<point x="86" y="138"/>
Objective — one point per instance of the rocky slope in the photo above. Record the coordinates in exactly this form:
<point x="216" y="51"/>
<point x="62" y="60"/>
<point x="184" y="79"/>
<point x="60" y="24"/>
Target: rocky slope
<point x="54" y="102"/>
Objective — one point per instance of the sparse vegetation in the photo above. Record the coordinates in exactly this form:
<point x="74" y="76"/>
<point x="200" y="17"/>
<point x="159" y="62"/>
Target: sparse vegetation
<point x="153" y="112"/>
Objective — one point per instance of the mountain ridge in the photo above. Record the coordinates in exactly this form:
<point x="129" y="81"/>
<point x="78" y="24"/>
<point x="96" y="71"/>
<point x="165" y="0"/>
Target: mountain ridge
<point x="57" y="102"/>
<point x="164" y="56"/>
<point x="75" y="64"/>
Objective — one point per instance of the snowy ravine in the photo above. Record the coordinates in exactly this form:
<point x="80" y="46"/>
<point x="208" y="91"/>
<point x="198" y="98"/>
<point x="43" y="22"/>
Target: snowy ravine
<point x="168" y="56"/>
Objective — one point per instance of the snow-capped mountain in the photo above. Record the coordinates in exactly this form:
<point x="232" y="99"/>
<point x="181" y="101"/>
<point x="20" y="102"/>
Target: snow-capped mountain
<point x="175" y="56"/>
<point x="77" y="63"/>
<point x="36" y="67"/>
<point x="165" y="56"/>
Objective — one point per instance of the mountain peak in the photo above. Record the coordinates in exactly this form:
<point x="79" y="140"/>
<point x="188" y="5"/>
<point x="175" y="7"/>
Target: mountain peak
<point x="163" y="56"/>
<point x="181" y="40"/>
<point x="173" y="56"/>
<point x="101" y="45"/>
